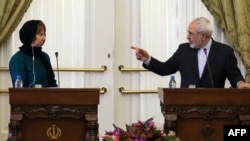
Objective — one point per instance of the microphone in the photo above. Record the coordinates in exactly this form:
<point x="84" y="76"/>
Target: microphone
<point x="58" y="84"/>
<point x="209" y="70"/>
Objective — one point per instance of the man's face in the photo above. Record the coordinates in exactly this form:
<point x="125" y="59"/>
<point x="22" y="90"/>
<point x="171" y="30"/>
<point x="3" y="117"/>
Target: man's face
<point x="193" y="36"/>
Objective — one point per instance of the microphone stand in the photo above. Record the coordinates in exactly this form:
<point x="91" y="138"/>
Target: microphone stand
<point x="209" y="70"/>
<point x="58" y="84"/>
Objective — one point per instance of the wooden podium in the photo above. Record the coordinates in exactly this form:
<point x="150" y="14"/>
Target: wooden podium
<point x="58" y="114"/>
<point x="199" y="114"/>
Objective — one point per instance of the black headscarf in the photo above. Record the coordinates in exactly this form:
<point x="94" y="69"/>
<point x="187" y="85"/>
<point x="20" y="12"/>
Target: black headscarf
<point x="27" y="34"/>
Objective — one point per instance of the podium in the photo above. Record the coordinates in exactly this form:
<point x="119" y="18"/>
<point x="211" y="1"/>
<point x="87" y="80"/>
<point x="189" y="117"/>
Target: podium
<point x="59" y="114"/>
<point x="201" y="113"/>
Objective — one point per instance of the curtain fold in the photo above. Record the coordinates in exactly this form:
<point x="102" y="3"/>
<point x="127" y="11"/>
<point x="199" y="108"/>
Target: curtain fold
<point x="11" y="13"/>
<point x="233" y="16"/>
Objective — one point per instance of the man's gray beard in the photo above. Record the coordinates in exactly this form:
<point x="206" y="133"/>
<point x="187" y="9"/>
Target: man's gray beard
<point x="192" y="45"/>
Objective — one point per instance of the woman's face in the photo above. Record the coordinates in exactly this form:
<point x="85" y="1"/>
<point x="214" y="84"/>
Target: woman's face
<point x="39" y="39"/>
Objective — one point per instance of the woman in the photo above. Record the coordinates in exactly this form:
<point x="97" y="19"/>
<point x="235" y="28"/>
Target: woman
<point x="30" y="61"/>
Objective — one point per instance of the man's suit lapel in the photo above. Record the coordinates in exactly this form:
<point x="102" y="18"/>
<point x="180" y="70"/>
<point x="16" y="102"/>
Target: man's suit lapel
<point x="194" y="67"/>
<point x="210" y="58"/>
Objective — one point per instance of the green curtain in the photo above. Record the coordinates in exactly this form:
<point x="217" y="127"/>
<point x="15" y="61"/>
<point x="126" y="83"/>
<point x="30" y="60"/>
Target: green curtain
<point x="11" y="13"/>
<point x="233" y="16"/>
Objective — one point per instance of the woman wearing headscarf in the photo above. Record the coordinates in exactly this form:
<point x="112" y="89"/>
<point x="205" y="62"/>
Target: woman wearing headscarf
<point x="30" y="61"/>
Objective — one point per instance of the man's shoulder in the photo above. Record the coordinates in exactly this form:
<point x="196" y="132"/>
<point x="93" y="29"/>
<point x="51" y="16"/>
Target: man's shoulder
<point x="185" y="47"/>
<point x="184" y="44"/>
<point x="221" y="46"/>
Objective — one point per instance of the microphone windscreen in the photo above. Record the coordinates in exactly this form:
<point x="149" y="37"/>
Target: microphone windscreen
<point x="56" y="53"/>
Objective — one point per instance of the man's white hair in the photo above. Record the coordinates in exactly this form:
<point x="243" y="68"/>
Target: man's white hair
<point x="204" y="26"/>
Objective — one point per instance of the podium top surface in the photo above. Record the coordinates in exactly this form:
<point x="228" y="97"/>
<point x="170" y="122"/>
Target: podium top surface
<point x="204" y="96"/>
<point x="54" y="96"/>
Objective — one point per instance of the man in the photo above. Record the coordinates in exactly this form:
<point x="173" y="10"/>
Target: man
<point x="190" y="60"/>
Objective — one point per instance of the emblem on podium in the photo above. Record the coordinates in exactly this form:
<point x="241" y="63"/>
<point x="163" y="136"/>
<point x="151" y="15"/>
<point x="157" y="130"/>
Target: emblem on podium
<point x="54" y="132"/>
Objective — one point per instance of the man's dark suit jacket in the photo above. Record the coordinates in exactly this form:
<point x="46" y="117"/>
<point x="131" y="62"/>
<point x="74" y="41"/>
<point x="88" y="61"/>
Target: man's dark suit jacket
<point x="222" y="62"/>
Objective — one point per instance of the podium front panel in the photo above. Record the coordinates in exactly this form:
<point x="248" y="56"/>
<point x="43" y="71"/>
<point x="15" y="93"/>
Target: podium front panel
<point x="45" y="114"/>
<point x="200" y="114"/>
